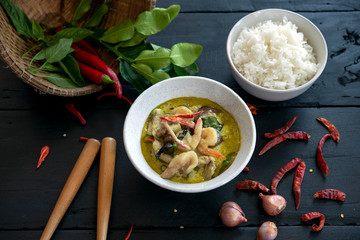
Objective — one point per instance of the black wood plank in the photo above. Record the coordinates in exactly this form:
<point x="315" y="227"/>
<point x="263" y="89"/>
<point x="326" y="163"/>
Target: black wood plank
<point x="241" y="232"/>
<point x="239" y="6"/>
<point x="336" y="86"/>
<point x="339" y="85"/>
<point x="29" y="195"/>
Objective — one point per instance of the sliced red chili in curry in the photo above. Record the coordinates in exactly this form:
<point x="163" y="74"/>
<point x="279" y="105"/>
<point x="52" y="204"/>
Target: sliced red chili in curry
<point x="332" y="129"/>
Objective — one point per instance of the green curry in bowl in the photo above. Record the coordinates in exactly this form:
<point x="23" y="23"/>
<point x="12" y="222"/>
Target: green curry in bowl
<point x="190" y="140"/>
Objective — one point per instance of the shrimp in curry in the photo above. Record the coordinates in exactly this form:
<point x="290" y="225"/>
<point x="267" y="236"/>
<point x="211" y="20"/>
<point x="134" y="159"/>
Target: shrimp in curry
<point x="190" y="139"/>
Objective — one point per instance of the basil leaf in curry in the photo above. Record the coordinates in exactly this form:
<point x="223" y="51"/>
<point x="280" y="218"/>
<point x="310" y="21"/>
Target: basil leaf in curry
<point x="212" y="121"/>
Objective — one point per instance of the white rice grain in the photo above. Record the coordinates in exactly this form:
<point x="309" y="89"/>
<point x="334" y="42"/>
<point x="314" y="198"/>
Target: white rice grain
<point x="274" y="55"/>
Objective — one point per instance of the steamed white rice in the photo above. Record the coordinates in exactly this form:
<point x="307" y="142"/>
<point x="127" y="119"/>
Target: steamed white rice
<point x="274" y="55"/>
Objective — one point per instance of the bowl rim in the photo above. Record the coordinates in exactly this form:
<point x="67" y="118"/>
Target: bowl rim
<point x="184" y="187"/>
<point x="270" y="90"/>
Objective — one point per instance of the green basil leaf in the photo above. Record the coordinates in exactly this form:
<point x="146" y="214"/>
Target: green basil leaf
<point x="190" y="70"/>
<point x="227" y="162"/>
<point x="18" y="18"/>
<point x="184" y="54"/>
<point x="151" y="22"/>
<point x="212" y="121"/>
<point x="51" y="68"/>
<point x="60" y="80"/>
<point x="135" y="79"/>
<point x="98" y="15"/>
<point x="70" y="66"/>
<point x="58" y="51"/>
<point x="37" y="30"/>
<point x="82" y="8"/>
<point x="146" y="72"/>
<point x="73" y="33"/>
<point x="121" y="32"/>
<point x="156" y="59"/>
<point x="135" y="40"/>
<point x="39" y="56"/>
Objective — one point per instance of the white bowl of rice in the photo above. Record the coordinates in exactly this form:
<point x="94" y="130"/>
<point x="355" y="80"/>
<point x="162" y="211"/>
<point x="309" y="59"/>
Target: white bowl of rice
<point x="275" y="54"/>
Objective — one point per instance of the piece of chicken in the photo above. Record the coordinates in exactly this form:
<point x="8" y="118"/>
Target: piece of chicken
<point x="183" y="164"/>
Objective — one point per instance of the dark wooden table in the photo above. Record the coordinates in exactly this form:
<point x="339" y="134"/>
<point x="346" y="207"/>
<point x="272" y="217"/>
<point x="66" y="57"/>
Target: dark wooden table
<point x="29" y="121"/>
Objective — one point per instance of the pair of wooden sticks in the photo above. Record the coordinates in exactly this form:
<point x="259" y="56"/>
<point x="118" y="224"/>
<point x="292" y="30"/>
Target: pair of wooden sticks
<point x="76" y="178"/>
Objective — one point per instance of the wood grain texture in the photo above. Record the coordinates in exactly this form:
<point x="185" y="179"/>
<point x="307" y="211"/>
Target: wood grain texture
<point x="28" y="121"/>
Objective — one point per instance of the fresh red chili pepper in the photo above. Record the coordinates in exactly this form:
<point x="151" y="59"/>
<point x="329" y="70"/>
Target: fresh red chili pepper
<point x="281" y="172"/>
<point x="331" y="194"/>
<point x="251" y="185"/>
<point x="252" y="108"/>
<point x="97" y="63"/>
<point x="129" y="233"/>
<point x="246" y="169"/>
<point x="84" y="138"/>
<point x="181" y="121"/>
<point x="298" y="178"/>
<point x="189" y="115"/>
<point x="319" y="157"/>
<point x="149" y="139"/>
<point x="84" y="45"/>
<point x="113" y="94"/>
<point x="311" y="215"/>
<point x="332" y="129"/>
<point x="94" y="75"/>
<point x="71" y="108"/>
<point x="283" y="137"/>
<point x="283" y="129"/>
<point x="43" y="154"/>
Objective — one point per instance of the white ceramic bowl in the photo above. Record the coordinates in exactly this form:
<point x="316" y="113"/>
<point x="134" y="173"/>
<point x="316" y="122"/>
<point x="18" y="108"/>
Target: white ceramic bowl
<point x="310" y="31"/>
<point x="189" y="86"/>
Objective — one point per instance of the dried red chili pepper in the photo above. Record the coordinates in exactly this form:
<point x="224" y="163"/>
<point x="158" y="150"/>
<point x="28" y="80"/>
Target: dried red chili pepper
<point x="43" y="154"/>
<point x="252" y="108"/>
<point x="311" y="215"/>
<point x="189" y="115"/>
<point x="298" y="177"/>
<point x="319" y="157"/>
<point x="281" y="172"/>
<point x="251" y="185"/>
<point x="71" y="108"/>
<point x="129" y="233"/>
<point x="332" y="129"/>
<point x="246" y="169"/>
<point x="331" y="194"/>
<point x="283" y="129"/>
<point x="282" y="138"/>
<point x="84" y="138"/>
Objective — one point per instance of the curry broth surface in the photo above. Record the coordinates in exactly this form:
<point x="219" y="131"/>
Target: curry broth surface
<point x="230" y="134"/>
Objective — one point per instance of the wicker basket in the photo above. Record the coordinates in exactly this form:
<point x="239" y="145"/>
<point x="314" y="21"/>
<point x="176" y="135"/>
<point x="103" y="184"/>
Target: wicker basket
<point x="53" y="13"/>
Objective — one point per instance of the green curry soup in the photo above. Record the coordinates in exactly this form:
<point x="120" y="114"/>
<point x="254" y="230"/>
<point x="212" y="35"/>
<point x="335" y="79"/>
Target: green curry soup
<point x="190" y="140"/>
